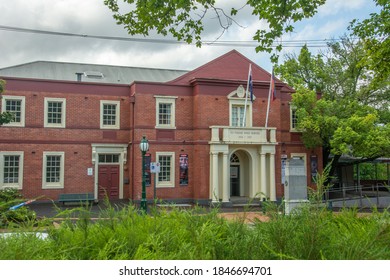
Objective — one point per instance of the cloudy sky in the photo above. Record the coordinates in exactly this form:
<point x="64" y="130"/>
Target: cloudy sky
<point x="93" y="18"/>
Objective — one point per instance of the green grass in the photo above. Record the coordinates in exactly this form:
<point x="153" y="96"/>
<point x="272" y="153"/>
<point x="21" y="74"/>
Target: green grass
<point x="202" y="235"/>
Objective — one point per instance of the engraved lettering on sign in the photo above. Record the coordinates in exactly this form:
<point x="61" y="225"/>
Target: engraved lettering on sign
<point x="244" y="135"/>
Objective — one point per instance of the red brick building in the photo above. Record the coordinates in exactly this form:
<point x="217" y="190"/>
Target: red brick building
<point x="81" y="136"/>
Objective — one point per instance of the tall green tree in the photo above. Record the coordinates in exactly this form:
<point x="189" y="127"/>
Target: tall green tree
<point x="184" y="19"/>
<point x="352" y="115"/>
<point x="374" y="33"/>
<point x="5" y="117"/>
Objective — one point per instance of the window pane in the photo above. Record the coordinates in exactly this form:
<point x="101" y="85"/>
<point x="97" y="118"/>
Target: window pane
<point x="14" y="106"/>
<point x="165" y="168"/>
<point x="54" y="112"/>
<point x="53" y="169"/>
<point x="109" y="114"/>
<point x="294" y="119"/>
<point x="108" y="158"/>
<point x="164" y="115"/>
<point x="115" y="158"/>
<point x="237" y="115"/>
<point x="11" y="169"/>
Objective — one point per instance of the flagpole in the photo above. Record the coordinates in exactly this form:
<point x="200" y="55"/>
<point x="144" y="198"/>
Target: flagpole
<point x="269" y="99"/>
<point x="246" y="96"/>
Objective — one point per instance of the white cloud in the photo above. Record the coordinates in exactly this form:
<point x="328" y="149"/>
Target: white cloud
<point x="332" y="7"/>
<point x="91" y="17"/>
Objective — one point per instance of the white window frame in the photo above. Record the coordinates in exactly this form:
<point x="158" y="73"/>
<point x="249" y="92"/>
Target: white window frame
<point x="114" y="161"/>
<point x="53" y="185"/>
<point x="117" y="114"/>
<point x="166" y="100"/>
<point x="239" y="98"/>
<point x="19" y="185"/>
<point x="63" y="112"/>
<point x="22" y="109"/>
<point x="234" y="102"/>
<point x="171" y="182"/>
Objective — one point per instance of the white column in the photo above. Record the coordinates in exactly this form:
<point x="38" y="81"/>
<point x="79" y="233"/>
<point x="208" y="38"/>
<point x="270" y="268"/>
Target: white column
<point x="96" y="188"/>
<point x="95" y="161"/>
<point x="263" y="176"/>
<point x="211" y="176"/>
<point x="214" y="187"/>
<point x="272" y="177"/>
<point x="225" y="174"/>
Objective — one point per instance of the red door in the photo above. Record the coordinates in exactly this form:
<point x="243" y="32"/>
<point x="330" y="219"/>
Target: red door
<point x="108" y="181"/>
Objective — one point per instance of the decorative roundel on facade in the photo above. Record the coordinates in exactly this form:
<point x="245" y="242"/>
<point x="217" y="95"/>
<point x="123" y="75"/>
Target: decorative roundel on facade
<point x="240" y="91"/>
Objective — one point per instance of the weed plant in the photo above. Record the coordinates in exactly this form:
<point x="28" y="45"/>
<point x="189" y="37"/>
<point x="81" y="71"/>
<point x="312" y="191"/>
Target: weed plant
<point x="126" y="233"/>
<point x="14" y="218"/>
<point x="311" y="232"/>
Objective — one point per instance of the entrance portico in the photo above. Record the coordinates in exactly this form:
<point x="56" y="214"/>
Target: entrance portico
<point x="242" y="163"/>
<point x="108" y="161"/>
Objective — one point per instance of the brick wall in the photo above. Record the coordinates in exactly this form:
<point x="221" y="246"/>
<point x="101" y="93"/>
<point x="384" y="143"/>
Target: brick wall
<point x="77" y="160"/>
<point x="199" y="105"/>
<point x="82" y="129"/>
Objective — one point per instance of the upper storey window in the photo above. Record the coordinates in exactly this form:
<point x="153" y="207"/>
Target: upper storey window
<point x="109" y="114"/>
<point x="293" y="119"/>
<point x="16" y="106"/>
<point x="237" y="115"/>
<point x="240" y="109"/>
<point x="165" y="112"/>
<point x="55" y="112"/>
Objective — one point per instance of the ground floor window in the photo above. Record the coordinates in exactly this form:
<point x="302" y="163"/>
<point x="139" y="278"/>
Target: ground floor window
<point x="166" y="177"/>
<point x="11" y="169"/>
<point x="53" y="170"/>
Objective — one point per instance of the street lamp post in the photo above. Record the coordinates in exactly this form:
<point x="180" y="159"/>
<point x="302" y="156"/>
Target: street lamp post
<point x="144" y="147"/>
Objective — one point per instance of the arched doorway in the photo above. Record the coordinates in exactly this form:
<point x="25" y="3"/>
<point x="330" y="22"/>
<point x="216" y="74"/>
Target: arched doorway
<point x="239" y="174"/>
<point x="234" y="175"/>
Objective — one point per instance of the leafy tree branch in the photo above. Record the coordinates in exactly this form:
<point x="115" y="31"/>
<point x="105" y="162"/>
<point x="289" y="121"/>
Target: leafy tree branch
<point x="184" y="19"/>
<point x="5" y="117"/>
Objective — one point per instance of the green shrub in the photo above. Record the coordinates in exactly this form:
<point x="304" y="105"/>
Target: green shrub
<point x="10" y="197"/>
<point x="197" y="234"/>
<point x="9" y="194"/>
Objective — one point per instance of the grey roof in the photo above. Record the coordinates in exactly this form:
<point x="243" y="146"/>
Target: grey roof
<point x="89" y="72"/>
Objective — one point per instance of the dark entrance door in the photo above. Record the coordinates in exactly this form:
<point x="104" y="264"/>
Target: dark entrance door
<point x="108" y="180"/>
<point x="234" y="180"/>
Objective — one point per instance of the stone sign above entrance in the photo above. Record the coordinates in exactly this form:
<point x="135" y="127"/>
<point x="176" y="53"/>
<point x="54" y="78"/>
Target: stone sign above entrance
<point x="252" y="135"/>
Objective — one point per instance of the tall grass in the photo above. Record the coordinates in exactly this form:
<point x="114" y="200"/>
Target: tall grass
<point x="125" y="233"/>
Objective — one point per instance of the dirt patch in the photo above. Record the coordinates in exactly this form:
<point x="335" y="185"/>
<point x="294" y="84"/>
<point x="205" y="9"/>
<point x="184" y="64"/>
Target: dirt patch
<point x="248" y="217"/>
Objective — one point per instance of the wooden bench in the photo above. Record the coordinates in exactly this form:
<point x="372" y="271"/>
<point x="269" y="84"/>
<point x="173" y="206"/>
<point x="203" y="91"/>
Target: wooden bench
<point x="76" y="197"/>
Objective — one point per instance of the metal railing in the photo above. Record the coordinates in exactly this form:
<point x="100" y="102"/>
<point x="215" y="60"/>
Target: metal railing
<point x="356" y="192"/>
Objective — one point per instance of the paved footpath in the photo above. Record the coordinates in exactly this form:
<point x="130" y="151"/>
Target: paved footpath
<point x="50" y="210"/>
